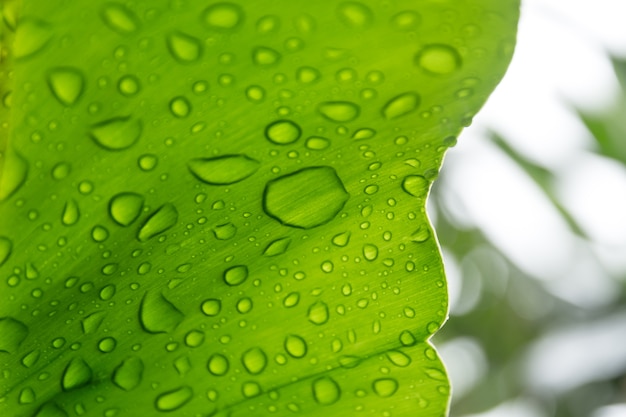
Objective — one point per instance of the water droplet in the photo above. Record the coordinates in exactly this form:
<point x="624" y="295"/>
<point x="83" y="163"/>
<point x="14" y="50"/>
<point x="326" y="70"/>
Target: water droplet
<point x="244" y="305"/>
<point x="250" y="389"/>
<point x="341" y="239"/>
<point x="326" y="391"/>
<point x="107" y="292"/>
<point x="307" y="75"/>
<point x="436" y="374"/>
<point x="295" y="346"/>
<point x="268" y="24"/>
<point x="27" y="396"/>
<point x="77" y="374"/>
<point x="180" y="107"/>
<point x="218" y="364"/>
<point x="421" y="235"/>
<point x="236" y="275"/>
<point x="224" y="231"/>
<point x="283" y="132"/>
<point x="407" y="339"/>
<point x="415" y="185"/>
<point x="277" y="247"/>
<point x="223" y="170"/>
<point x="61" y="171"/>
<point x="13" y="334"/>
<point x="385" y="387"/>
<point x="157" y="314"/>
<point x="211" y="307"/>
<point x="92" y="322"/>
<point x="14" y="173"/>
<point x="223" y="16"/>
<point x="406" y="20"/>
<point x="6" y="247"/>
<point x="125" y="208"/>
<point x="438" y="59"/>
<point x="317" y="143"/>
<point x="147" y="162"/>
<point x="355" y="15"/>
<point x="184" y="48"/>
<point x="32" y="36"/>
<point x="182" y="365"/>
<point x="194" y="338"/>
<point x="305" y="198"/>
<point x="254" y="360"/>
<point x="107" y="345"/>
<point x="364" y="133"/>
<point x="71" y="213"/>
<point x="119" y="18"/>
<point x="398" y="358"/>
<point x="291" y="300"/>
<point x="117" y="133"/>
<point x="99" y="233"/>
<point x="264" y="56"/>
<point x="66" y="84"/>
<point x="401" y="105"/>
<point x="159" y="221"/>
<point x="318" y="313"/>
<point x="30" y="358"/>
<point x="173" y="399"/>
<point x="128" y="374"/>
<point x="339" y="111"/>
<point x="255" y="93"/>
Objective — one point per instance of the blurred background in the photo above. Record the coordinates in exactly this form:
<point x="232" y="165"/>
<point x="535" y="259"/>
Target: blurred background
<point x="531" y="215"/>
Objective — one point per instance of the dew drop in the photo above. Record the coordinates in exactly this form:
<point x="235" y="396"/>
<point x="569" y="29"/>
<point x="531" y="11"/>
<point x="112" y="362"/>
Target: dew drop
<point x="415" y="185"/>
<point x="173" y="399"/>
<point x="305" y="198"/>
<point x="14" y="173"/>
<point x="157" y="314"/>
<point x="30" y="358"/>
<point x="407" y="339"/>
<point x="224" y="231"/>
<point x="223" y="170"/>
<point x="277" y="247"/>
<point x="339" y="111"/>
<point x="318" y="313"/>
<point x="268" y="24"/>
<point x="6" y="247"/>
<point x="401" y="105"/>
<point x="180" y="107"/>
<point x="421" y="235"/>
<point x="13" y="334"/>
<point x="194" y="338"/>
<point x="147" y="162"/>
<point x="325" y="390"/>
<point x="291" y="300"/>
<point x="184" y="48"/>
<point x="66" y="84"/>
<point x="77" y="374"/>
<point x="254" y="360"/>
<point x="125" y="208"/>
<point x="27" y="396"/>
<point x="365" y="133"/>
<point x="255" y="93"/>
<point x="117" y="133"/>
<point x="32" y="36"/>
<point x="438" y="59"/>
<point x="128" y="374"/>
<point x="92" y="322"/>
<point x="295" y="346"/>
<point x="236" y="275"/>
<point x="317" y="143"/>
<point x="244" y="305"/>
<point x="250" y="389"/>
<point x="119" y="18"/>
<point x="223" y="16"/>
<point x="406" y="20"/>
<point x="159" y="221"/>
<point x="307" y="75"/>
<point x="107" y="345"/>
<point x="211" y="307"/>
<point x="385" y="387"/>
<point x="370" y="252"/>
<point x="355" y="15"/>
<point x="283" y="132"/>
<point x="218" y="364"/>
<point x="398" y="358"/>
<point x="264" y="56"/>
<point x="99" y="233"/>
<point x="341" y="239"/>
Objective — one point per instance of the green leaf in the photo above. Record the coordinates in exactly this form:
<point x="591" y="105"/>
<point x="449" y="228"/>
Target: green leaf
<point x="219" y="208"/>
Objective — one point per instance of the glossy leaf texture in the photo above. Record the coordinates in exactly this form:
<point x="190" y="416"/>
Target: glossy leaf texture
<point x="218" y="208"/>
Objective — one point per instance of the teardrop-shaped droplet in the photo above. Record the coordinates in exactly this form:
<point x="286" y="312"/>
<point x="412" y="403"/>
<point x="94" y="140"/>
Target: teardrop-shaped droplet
<point x="27" y="396"/>
<point x="401" y="105"/>
<point x="399" y="358"/>
<point x="218" y="364"/>
<point x="223" y="16"/>
<point x="119" y="18"/>
<point x="223" y="170"/>
<point x="277" y="247"/>
<point x="77" y="374"/>
<point x="66" y="84"/>
<point x="438" y="59"/>
<point x="174" y="399"/>
<point x="295" y="346"/>
<point x="308" y="75"/>
<point x="265" y="57"/>
<point x="365" y="133"/>
<point x="283" y="132"/>
<point x="184" y="48"/>
<point x="254" y="360"/>
<point x="129" y="373"/>
<point x="14" y="173"/>
<point x="125" y="208"/>
<point x="6" y="247"/>
<point x="157" y="314"/>
<point x="385" y="387"/>
<point x="71" y="213"/>
<point x="13" y="334"/>
<point x="326" y="391"/>
<point x="159" y="221"/>
<point x="117" y="133"/>
<point x="236" y="275"/>
<point x="415" y="185"/>
<point x="341" y="239"/>
<point x="339" y="111"/>
<point x="318" y="313"/>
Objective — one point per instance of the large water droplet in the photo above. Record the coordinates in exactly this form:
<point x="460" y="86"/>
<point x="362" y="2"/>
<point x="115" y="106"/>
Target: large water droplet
<point x="236" y="275"/>
<point x="211" y="307"/>
<point x="129" y="373"/>
<point x="92" y="322"/>
<point x="223" y="16"/>
<point x="283" y="132"/>
<point x="306" y="198"/>
<point x="277" y="247"/>
<point x="370" y="252"/>
<point x="438" y="59"/>
<point x="318" y="313"/>
<point x="223" y="170"/>
<point x="218" y="364"/>
<point x="6" y="247"/>
<point x="184" y="48"/>
<point x="295" y="346"/>
<point x="71" y="213"/>
<point x="66" y="84"/>
<point x="174" y="399"/>
<point x="385" y="387"/>
<point x="157" y="314"/>
<point x="339" y="111"/>
<point x="13" y="334"/>
<point x="32" y="36"/>
<point x="125" y="208"/>
<point x="77" y="374"/>
<point x="325" y="390"/>
<point x="119" y="18"/>
<point x="161" y="220"/>
<point x="355" y="15"/>
<point x="401" y="105"/>
<point x="27" y="396"/>
<point x="117" y="133"/>
<point x="14" y="173"/>
<point x="264" y="56"/>
<point x="254" y="360"/>
<point x="415" y="185"/>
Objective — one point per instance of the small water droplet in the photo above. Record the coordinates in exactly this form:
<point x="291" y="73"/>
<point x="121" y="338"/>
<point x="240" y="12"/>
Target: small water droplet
<point x="107" y="345"/>
<point x="117" y="133"/>
<point x="406" y="20"/>
<point x="223" y="16"/>
<point x="264" y="56"/>
<point x="401" y="105"/>
<point x="236" y="275"/>
<point x="398" y="358"/>
<point x="305" y="198"/>
<point x="255" y="93"/>
<point x="194" y="338"/>
<point x="14" y="171"/>
<point x="268" y="24"/>
<point x="30" y="358"/>
<point x="250" y="389"/>
<point x="436" y="374"/>
<point x="438" y="59"/>
<point x="180" y="107"/>
<point x="99" y="233"/>
<point x="211" y="307"/>
<point x="125" y="208"/>
<point x="128" y="85"/>
<point x="184" y="48"/>
<point x="218" y="364"/>
<point x="147" y="162"/>
<point x="341" y="239"/>
<point x="224" y="231"/>
<point x="283" y="132"/>
<point x="365" y="133"/>
<point x="355" y="15"/>
<point x="317" y="143"/>
<point x="370" y="252"/>
<point x="6" y="247"/>
<point x="295" y="346"/>
<point x="415" y="185"/>
<point x="159" y="221"/>
<point x="77" y="374"/>
<point x="407" y="338"/>
<point x="254" y="360"/>
<point x="385" y="387"/>
<point x="66" y="84"/>
<point x="318" y="313"/>
<point x="13" y="334"/>
<point x="244" y="305"/>
<point x="223" y="170"/>
<point x="291" y="300"/>
<point x="173" y="399"/>
<point x="157" y="314"/>
<point x="119" y="18"/>
<point x="277" y="247"/>
<point x="339" y="111"/>
<point x="307" y="75"/>
<point x="326" y="391"/>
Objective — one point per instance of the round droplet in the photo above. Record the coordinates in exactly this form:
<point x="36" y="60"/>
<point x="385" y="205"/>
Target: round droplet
<point x="119" y="18"/>
<point x="244" y="305"/>
<point x="223" y="16"/>
<point x="325" y="390"/>
<point x="76" y="374"/>
<point x="223" y="170"/>
<point x="268" y="24"/>
<point x="415" y="185"/>
<point x="224" y="231"/>
<point x="401" y="105"/>
<point x="438" y="59"/>
<point x="159" y="221"/>
<point x="107" y="345"/>
<point x="254" y="360"/>
<point x="184" y="48"/>
<point x="295" y="346"/>
<point x="147" y="162"/>
<point x="406" y="20"/>
<point x="174" y="399"/>
<point x="218" y="364"/>
<point x="66" y="84"/>
<point x="283" y="132"/>
<point x="307" y="75"/>
<point x="13" y="334"/>
<point x="317" y="143"/>
<point x="125" y="208"/>
<point x="265" y="57"/>
<point x="385" y="387"/>
<point x="194" y="338"/>
<point x="250" y="389"/>
<point x="236" y="275"/>
<point x="407" y="338"/>
<point x="339" y="111"/>
<point x="277" y="247"/>
<point x="370" y="252"/>
<point x="211" y="307"/>
<point x="355" y="15"/>
<point x="99" y="233"/>
<point x="180" y="107"/>
<point x="157" y="314"/>
<point x="318" y="313"/>
<point x="117" y="133"/>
